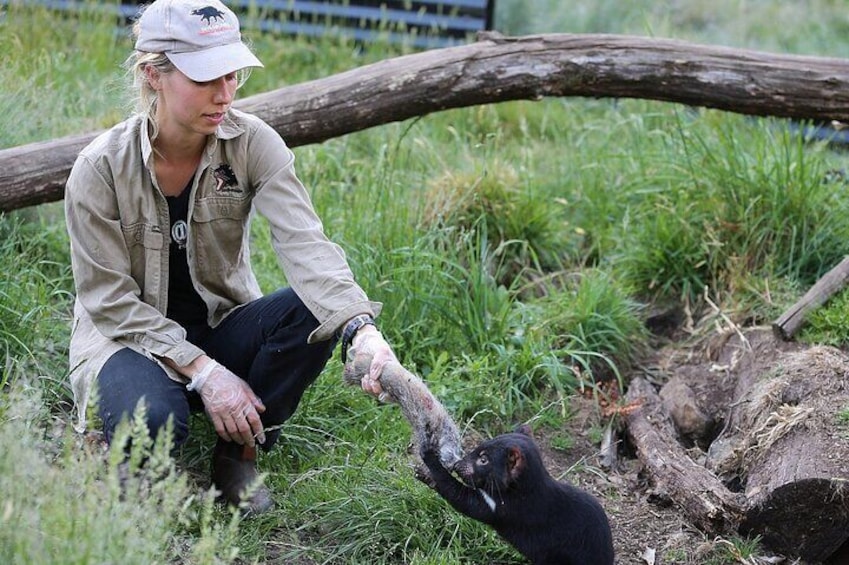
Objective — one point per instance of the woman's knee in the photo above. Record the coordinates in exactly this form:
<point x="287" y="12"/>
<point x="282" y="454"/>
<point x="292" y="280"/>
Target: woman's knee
<point x="163" y="416"/>
<point x="130" y="382"/>
<point x="157" y="416"/>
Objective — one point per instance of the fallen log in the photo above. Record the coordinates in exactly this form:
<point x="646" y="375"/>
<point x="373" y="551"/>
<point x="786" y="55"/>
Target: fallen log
<point x="788" y="445"/>
<point x="674" y="475"/>
<point x="498" y="69"/>
<point x="779" y="468"/>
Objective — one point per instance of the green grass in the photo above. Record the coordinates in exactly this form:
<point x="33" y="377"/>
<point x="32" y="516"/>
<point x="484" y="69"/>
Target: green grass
<point x="829" y="324"/>
<point x="516" y="248"/>
<point x="735" y="550"/>
<point x="766" y="209"/>
<point x="843" y="422"/>
<point x="816" y="27"/>
<point x="34" y="298"/>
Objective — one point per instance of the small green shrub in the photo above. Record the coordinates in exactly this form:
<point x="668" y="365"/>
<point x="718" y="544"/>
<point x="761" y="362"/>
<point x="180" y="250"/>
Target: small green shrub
<point x="523" y="226"/>
<point x="593" y="324"/>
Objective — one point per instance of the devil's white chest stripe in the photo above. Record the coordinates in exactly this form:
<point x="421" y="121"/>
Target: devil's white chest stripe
<point x="488" y="499"/>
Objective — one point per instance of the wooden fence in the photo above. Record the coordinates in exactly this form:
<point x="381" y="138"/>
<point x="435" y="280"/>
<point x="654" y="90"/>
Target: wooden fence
<point x="419" y="23"/>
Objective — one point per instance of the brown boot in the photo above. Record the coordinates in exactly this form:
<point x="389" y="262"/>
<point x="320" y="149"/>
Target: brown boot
<point x="234" y="471"/>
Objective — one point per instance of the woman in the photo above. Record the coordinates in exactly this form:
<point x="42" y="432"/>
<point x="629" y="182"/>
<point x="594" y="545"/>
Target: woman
<point x="168" y="311"/>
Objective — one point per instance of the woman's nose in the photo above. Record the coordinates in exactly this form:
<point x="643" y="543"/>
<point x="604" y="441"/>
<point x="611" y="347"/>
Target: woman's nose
<point x="223" y="92"/>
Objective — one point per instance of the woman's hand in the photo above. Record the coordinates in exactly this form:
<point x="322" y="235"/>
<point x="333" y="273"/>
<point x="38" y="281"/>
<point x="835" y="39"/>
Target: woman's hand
<point x="230" y="403"/>
<point x="369" y="341"/>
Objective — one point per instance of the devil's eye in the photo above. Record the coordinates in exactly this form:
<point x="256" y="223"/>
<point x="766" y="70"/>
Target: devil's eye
<point x="483" y="459"/>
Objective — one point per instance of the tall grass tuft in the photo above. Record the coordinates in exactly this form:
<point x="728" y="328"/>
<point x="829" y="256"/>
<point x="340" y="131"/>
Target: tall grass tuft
<point x="34" y="303"/>
<point x="594" y="324"/>
<point x="739" y="199"/>
<point x="522" y="226"/>
<point x="67" y="501"/>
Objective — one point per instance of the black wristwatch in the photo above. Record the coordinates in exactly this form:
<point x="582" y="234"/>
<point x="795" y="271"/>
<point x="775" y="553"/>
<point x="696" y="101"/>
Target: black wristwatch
<point x="351" y="329"/>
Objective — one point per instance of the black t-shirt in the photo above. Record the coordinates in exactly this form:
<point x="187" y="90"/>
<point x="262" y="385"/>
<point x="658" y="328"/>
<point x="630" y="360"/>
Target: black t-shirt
<point x="185" y="306"/>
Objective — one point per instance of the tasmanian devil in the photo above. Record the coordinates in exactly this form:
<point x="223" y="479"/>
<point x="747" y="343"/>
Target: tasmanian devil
<point x="508" y="487"/>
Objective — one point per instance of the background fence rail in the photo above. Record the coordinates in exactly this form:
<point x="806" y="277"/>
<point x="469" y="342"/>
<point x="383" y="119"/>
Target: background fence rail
<point x="419" y="23"/>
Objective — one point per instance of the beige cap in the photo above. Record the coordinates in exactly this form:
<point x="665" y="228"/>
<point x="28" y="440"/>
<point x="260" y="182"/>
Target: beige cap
<point x="200" y="37"/>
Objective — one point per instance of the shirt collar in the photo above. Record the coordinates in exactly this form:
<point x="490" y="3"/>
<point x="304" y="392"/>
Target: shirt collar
<point x="146" y="145"/>
<point x="228" y="129"/>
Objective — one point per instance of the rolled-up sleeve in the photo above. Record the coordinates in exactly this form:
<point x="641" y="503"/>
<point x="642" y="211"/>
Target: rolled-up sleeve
<point x="315" y="267"/>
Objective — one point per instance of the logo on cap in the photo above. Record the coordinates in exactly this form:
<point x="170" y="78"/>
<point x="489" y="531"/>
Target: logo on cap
<point x="208" y="13"/>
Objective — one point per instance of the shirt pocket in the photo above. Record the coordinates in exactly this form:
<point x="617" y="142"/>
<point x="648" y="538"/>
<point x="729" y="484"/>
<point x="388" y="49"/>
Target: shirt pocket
<point x="220" y="225"/>
<point x="225" y="208"/>
<point x="145" y="244"/>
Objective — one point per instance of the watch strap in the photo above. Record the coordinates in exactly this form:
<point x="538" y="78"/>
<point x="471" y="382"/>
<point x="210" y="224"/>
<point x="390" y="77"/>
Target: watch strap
<point x="351" y="328"/>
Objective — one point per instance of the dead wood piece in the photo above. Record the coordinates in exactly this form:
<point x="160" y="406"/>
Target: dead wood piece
<point x="784" y="447"/>
<point x="830" y="284"/>
<point x="793" y="453"/>
<point x="431" y="423"/>
<point x="682" y="405"/>
<point x="498" y="70"/>
<point x="702" y="497"/>
<point x="608" y="457"/>
<point x="807" y="518"/>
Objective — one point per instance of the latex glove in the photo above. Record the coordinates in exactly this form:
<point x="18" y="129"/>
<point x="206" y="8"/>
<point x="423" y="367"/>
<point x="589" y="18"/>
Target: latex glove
<point x="369" y="341"/>
<point x="231" y="404"/>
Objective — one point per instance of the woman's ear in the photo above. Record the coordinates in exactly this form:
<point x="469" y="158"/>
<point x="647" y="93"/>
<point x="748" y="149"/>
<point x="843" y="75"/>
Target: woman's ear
<point x="153" y="76"/>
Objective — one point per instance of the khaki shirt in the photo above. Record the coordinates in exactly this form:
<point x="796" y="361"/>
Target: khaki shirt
<point x="119" y="230"/>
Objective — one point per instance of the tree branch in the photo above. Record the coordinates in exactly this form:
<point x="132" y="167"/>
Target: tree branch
<point x="498" y="69"/>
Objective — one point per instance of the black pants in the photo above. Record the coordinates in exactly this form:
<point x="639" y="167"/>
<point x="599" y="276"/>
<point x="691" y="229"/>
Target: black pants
<point x="264" y="343"/>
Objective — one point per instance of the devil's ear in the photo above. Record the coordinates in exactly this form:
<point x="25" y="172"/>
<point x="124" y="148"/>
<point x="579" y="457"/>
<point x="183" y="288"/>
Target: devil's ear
<point x="525" y="430"/>
<point x="515" y="462"/>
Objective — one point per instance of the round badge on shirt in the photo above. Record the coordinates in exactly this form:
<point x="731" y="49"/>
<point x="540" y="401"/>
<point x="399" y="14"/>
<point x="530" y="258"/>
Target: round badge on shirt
<point x="180" y="233"/>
